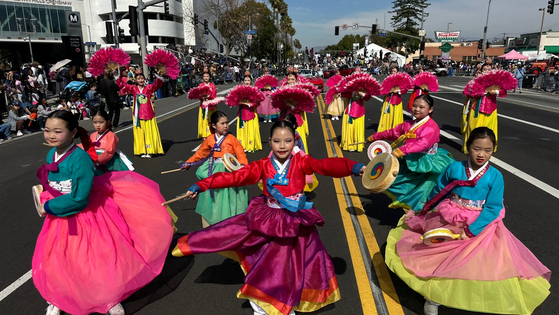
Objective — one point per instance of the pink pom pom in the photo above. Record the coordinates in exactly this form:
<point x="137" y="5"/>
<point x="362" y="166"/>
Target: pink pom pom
<point x="265" y="80"/>
<point x="110" y="58"/>
<point x="244" y="95"/>
<point x="427" y="78"/>
<point x="359" y="82"/>
<point x="330" y="95"/>
<point x="160" y="58"/>
<point x="333" y="81"/>
<point x="199" y="92"/>
<point x="301" y="99"/>
<point x="401" y="80"/>
<point x="502" y="80"/>
<point x="211" y="104"/>
<point x="307" y="86"/>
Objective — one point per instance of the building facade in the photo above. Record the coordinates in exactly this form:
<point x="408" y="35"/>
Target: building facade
<point x="466" y="52"/>
<point x="527" y="44"/>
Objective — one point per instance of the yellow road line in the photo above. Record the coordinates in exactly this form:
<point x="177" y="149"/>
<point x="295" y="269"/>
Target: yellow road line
<point x="387" y="287"/>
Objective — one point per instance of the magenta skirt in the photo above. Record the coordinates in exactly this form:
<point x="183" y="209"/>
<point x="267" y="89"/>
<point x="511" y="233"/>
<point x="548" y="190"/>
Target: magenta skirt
<point x="122" y="240"/>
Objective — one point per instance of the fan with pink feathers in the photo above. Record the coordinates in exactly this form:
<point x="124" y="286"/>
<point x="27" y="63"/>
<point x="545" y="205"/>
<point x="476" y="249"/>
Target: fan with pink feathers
<point x="244" y="95"/>
<point x="200" y="92"/>
<point x="494" y="81"/>
<point x="107" y="60"/>
<point x="397" y="82"/>
<point x="426" y="81"/>
<point x="333" y="81"/>
<point x="360" y="82"/>
<point x="164" y="62"/>
<point x="309" y="87"/>
<point x="266" y="82"/>
<point x="295" y="99"/>
<point x="212" y="104"/>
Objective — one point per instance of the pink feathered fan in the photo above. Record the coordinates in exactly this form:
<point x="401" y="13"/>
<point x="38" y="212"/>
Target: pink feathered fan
<point x="288" y="97"/>
<point x="211" y="104"/>
<point x="495" y="80"/>
<point x="426" y="80"/>
<point x="266" y="81"/>
<point x="309" y="87"/>
<point x="164" y="62"/>
<point x="400" y="80"/>
<point x="363" y="82"/>
<point x="108" y="59"/>
<point x="329" y="98"/>
<point x="333" y="81"/>
<point x="199" y="92"/>
<point x="244" y="95"/>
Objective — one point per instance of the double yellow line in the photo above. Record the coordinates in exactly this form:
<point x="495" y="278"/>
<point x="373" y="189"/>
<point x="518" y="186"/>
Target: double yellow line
<point x="376" y="289"/>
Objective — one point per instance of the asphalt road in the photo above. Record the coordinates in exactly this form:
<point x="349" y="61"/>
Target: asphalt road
<point x="357" y="223"/>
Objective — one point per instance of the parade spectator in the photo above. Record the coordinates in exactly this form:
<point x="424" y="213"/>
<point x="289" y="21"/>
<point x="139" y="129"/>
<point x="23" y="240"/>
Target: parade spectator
<point x="109" y="90"/>
<point x="42" y="112"/>
<point x="519" y="73"/>
<point x="17" y="118"/>
<point x="5" y="129"/>
<point x="93" y="98"/>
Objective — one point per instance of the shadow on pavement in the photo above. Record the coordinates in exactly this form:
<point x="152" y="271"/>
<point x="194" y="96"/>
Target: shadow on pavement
<point x="229" y="272"/>
<point x="173" y="273"/>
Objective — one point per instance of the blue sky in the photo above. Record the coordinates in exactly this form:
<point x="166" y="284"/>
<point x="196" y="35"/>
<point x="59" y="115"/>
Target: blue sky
<point x="314" y="20"/>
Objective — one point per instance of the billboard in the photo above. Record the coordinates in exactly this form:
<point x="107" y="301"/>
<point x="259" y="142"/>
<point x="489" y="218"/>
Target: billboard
<point x="447" y="37"/>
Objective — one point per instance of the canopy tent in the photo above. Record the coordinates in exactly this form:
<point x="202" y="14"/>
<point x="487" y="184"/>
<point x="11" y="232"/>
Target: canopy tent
<point x="542" y="56"/>
<point x="372" y="48"/>
<point x="513" y="55"/>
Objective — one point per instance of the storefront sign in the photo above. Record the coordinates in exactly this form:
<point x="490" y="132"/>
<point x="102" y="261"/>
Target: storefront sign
<point x="447" y="37"/>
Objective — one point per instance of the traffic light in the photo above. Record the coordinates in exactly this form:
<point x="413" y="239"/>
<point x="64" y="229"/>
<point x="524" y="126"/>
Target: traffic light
<point x="205" y="25"/>
<point x="221" y="48"/>
<point x="336" y="30"/>
<point x="166" y="7"/>
<point x="480" y="44"/>
<point x="110" y="36"/>
<point x="374" y="28"/>
<point x="487" y="45"/>
<point x="120" y="35"/>
<point x="195" y="19"/>
<point x="422" y="46"/>
<point x="133" y="16"/>
<point x="550" y="6"/>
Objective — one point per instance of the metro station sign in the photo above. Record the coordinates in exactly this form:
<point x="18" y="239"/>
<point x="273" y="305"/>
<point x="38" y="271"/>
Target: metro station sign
<point x="447" y="37"/>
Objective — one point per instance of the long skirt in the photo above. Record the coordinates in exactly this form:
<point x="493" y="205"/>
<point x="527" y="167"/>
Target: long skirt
<point x="117" y="250"/>
<point x="483" y="120"/>
<point x="490" y="273"/>
<point x="336" y="108"/>
<point x="147" y="139"/>
<point x="204" y="122"/>
<point x="465" y="111"/>
<point x="226" y="202"/>
<point x="392" y="118"/>
<point x="286" y="265"/>
<point x="416" y="178"/>
<point x="266" y="111"/>
<point x="305" y="123"/>
<point x="352" y="132"/>
<point x="248" y="133"/>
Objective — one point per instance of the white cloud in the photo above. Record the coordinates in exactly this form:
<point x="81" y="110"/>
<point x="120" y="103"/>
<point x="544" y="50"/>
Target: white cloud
<point x="506" y="16"/>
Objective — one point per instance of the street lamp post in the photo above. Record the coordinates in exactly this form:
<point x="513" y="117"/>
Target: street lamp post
<point x="541" y="30"/>
<point x="448" y="27"/>
<point x="28" y="39"/>
<point x="485" y="30"/>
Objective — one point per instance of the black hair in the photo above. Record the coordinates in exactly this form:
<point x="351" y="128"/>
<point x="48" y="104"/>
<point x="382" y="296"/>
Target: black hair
<point x="480" y="133"/>
<point x="105" y="116"/>
<point x="214" y="118"/>
<point x="292" y="119"/>
<point x="68" y="117"/>
<point x="140" y="75"/>
<point x="282" y="124"/>
<point x="427" y="98"/>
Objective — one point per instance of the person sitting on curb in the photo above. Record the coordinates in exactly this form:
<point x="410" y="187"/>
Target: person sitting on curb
<point x="17" y="118"/>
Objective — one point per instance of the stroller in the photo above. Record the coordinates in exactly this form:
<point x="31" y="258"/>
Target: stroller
<point x="74" y="88"/>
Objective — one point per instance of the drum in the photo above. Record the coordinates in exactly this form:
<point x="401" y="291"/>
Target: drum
<point x="36" y="191"/>
<point x="231" y="163"/>
<point x="438" y="236"/>
<point x="381" y="173"/>
<point x="378" y="147"/>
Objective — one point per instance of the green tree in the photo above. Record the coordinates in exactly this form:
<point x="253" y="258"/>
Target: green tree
<point x="407" y="16"/>
<point x="346" y="43"/>
<point x="297" y="44"/>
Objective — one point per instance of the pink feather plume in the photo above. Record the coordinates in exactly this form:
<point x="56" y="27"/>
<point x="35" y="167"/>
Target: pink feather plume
<point x="301" y="99"/>
<point x="104" y="57"/>
<point x="428" y="79"/>
<point x="334" y="80"/>
<point x="265" y="80"/>
<point x="211" y="104"/>
<point x="197" y="93"/>
<point x="360" y="81"/>
<point x="329" y="98"/>
<point x="502" y="79"/>
<point x="468" y="89"/>
<point x="400" y="79"/>
<point x="160" y="57"/>
<point x="244" y="94"/>
<point x="309" y="87"/>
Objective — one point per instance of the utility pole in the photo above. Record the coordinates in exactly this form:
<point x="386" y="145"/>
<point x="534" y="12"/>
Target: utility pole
<point x="115" y="23"/>
<point x="541" y="30"/>
<point x="250" y="39"/>
<point x="143" y="48"/>
<point x="485" y="31"/>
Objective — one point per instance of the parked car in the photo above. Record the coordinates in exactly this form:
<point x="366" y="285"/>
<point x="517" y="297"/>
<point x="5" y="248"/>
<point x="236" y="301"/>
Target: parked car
<point x="313" y="78"/>
<point x="440" y="71"/>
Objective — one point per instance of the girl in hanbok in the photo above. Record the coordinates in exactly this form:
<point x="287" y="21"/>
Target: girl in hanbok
<point x="486" y="269"/>
<point x="104" y="237"/>
<point x="421" y="160"/>
<point x="335" y="102"/>
<point x="204" y="113"/>
<point x="287" y="267"/>
<point x="266" y="84"/>
<point x="394" y="86"/>
<point x="147" y="140"/>
<point x="247" y="98"/>
<point x="218" y="204"/>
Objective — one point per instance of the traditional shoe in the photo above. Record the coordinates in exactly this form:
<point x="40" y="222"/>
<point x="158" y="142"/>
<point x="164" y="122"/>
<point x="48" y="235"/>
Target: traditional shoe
<point x="148" y="156"/>
<point x="143" y="156"/>
<point x="430" y="308"/>
<point x="117" y="310"/>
